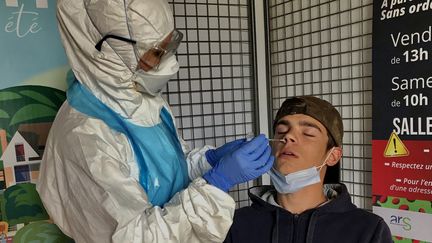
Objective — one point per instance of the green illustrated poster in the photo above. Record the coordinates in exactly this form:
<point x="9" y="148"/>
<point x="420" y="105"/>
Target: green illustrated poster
<point x="32" y="89"/>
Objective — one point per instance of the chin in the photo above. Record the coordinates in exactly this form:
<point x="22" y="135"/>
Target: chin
<point x="284" y="170"/>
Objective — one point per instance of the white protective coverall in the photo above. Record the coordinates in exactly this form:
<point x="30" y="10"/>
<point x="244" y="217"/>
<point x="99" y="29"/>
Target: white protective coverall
<point x="89" y="177"/>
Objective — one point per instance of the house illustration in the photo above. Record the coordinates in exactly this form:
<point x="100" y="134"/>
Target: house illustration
<point x="22" y="155"/>
<point x="36" y="135"/>
<point x="3" y="145"/>
<point x="21" y="162"/>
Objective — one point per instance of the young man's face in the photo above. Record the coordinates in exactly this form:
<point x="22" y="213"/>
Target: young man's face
<point x="306" y="143"/>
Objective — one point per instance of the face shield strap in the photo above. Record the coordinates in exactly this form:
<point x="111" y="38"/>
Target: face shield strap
<point x="98" y="45"/>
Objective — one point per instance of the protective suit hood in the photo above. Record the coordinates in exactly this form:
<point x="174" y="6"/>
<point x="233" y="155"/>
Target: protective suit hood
<point x="109" y="74"/>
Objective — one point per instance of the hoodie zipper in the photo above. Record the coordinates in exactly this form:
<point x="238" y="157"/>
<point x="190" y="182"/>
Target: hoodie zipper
<point x="294" y="228"/>
<point x="311" y="228"/>
<point x="275" y="231"/>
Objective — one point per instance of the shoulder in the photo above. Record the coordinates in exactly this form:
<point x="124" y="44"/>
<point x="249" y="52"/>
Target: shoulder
<point x="245" y="213"/>
<point x="359" y="212"/>
<point x="363" y="219"/>
<point x="251" y="224"/>
<point x="374" y="228"/>
<point x="71" y="124"/>
<point x="343" y="211"/>
<point x="260" y="208"/>
<point x="249" y="216"/>
<point x="74" y="135"/>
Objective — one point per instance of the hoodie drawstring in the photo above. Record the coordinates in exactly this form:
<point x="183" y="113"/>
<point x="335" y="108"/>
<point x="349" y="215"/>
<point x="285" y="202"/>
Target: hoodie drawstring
<point x="275" y="232"/>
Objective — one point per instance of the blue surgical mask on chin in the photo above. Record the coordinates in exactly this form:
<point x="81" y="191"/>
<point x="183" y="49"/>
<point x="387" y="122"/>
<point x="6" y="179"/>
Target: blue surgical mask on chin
<point x="297" y="180"/>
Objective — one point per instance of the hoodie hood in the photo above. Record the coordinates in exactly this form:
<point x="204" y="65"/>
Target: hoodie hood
<point x="338" y="220"/>
<point x="108" y="73"/>
<point x="263" y="198"/>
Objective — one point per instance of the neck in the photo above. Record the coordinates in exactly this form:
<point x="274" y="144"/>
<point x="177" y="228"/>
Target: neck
<point x="307" y="198"/>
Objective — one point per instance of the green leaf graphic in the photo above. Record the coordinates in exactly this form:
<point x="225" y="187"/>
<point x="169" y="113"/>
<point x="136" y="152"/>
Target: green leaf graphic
<point x="31" y="112"/>
<point x="22" y="204"/>
<point x="38" y="97"/>
<point x="7" y="95"/>
<point x="4" y="114"/>
<point x="41" y="232"/>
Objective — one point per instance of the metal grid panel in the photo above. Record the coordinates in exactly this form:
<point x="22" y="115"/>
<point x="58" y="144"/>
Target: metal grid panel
<point x="323" y="48"/>
<point x="212" y="95"/>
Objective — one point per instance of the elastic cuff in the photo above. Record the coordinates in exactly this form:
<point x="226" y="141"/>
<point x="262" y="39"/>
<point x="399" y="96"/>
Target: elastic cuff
<point x="209" y="154"/>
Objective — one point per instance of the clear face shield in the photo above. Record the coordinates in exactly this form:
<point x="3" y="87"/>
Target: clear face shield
<point x="150" y="59"/>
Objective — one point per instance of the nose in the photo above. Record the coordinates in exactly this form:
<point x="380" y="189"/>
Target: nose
<point x="290" y="136"/>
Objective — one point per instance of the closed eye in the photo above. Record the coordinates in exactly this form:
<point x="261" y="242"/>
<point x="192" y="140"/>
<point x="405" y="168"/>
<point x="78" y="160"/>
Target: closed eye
<point x="282" y="133"/>
<point x="310" y="131"/>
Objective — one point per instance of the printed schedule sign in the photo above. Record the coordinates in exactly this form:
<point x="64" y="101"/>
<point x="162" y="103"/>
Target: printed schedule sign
<point x="402" y="117"/>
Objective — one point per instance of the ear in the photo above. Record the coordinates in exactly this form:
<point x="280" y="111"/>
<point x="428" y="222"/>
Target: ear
<point x="335" y="156"/>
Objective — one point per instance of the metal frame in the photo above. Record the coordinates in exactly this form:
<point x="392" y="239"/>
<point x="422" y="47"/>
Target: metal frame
<point x="213" y="96"/>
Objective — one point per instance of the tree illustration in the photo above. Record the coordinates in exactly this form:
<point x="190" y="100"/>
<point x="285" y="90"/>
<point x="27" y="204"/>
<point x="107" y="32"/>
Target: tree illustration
<point x="21" y="204"/>
<point x="28" y="104"/>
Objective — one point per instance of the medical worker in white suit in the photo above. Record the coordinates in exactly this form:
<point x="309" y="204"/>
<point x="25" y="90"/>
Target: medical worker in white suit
<point x="114" y="167"/>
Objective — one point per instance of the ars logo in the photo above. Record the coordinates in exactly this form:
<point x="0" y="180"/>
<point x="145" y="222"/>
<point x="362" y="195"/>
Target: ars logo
<point x="403" y="222"/>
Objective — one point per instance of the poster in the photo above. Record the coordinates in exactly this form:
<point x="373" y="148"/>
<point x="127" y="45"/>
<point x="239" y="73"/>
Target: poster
<point x="34" y="69"/>
<point x="402" y="117"/>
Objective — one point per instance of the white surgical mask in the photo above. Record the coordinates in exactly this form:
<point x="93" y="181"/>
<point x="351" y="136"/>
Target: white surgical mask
<point x="152" y="82"/>
<point x="297" y="180"/>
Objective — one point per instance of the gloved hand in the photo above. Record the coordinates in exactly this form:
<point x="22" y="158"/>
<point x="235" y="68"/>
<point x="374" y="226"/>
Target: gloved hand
<point x="250" y="160"/>
<point x="214" y="155"/>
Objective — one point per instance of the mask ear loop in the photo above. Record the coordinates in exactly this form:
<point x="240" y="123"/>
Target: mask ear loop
<point x="325" y="160"/>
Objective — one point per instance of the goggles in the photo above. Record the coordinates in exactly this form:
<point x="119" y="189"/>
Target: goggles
<point x="150" y="59"/>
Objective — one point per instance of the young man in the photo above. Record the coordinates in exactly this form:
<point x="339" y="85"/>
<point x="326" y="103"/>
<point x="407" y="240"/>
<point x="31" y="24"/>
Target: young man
<point x="300" y="207"/>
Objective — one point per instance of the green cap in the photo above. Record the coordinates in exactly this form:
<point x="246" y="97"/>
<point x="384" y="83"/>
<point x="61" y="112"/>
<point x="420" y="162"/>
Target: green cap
<point x="317" y="108"/>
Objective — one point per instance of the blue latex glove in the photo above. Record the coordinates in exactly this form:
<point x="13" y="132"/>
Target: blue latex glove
<point x="214" y="155"/>
<point x="250" y="160"/>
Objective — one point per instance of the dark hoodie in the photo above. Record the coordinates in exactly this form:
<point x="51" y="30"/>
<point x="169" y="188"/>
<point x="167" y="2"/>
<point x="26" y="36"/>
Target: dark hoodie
<point x="338" y="221"/>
